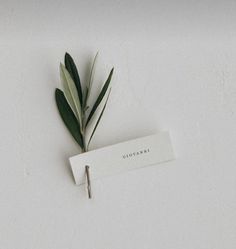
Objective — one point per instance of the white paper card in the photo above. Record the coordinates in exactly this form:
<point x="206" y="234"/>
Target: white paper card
<point x="122" y="157"/>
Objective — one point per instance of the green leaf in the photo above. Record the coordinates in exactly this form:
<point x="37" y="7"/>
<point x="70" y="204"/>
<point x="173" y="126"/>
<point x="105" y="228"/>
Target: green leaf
<point x="100" y="96"/>
<point x="68" y="117"/>
<point x="72" y="69"/>
<point x="89" y="83"/>
<point x="71" y="92"/>
<point x="100" y="116"/>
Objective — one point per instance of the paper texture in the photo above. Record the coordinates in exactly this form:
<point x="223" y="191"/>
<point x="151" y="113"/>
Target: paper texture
<point x="130" y="155"/>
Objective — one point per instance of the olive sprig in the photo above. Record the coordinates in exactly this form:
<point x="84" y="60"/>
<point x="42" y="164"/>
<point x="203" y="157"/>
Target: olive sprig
<point x="72" y="101"/>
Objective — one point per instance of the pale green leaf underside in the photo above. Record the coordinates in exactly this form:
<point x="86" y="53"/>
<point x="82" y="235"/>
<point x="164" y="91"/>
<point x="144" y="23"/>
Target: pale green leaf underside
<point x="90" y="81"/>
<point x="70" y="92"/>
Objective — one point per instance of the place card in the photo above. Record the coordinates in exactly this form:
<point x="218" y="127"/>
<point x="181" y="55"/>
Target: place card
<point x="122" y="157"/>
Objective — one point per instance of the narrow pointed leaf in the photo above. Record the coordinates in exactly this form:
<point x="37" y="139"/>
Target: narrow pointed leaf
<point x="71" y="92"/>
<point x="90" y="81"/>
<point x="100" y="96"/>
<point x="72" y="69"/>
<point x="68" y="117"/>
<point x="100" y="116"/>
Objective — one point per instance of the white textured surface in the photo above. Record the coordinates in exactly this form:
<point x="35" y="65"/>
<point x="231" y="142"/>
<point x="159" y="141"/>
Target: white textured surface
<point x="175" y="69"/>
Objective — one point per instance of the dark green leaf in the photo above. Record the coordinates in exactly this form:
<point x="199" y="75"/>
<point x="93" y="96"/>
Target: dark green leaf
<point x="68" y="117"/>
<point x="100" y="96"/>
<point x="71" y="68"/>
<point x="103" y="109"/>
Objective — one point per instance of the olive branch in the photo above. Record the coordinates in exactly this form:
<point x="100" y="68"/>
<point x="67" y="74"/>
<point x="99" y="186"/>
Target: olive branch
<point x="72" y="102"/>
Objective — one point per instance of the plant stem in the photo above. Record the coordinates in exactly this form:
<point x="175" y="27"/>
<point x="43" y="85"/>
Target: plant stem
<point x="83" y="130"/>
<point x="84" y="149"/>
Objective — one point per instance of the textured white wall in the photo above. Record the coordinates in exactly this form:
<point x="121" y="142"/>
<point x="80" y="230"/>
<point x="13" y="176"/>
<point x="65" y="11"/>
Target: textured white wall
<point x="175" y="69"/>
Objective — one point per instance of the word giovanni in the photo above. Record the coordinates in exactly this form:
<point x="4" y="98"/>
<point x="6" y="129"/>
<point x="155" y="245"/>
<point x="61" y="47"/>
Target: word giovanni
<point x="136" y="153"/>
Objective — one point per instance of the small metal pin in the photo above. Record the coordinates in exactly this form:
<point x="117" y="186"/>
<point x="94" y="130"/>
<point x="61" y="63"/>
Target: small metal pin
<point x="88" y="181"/>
